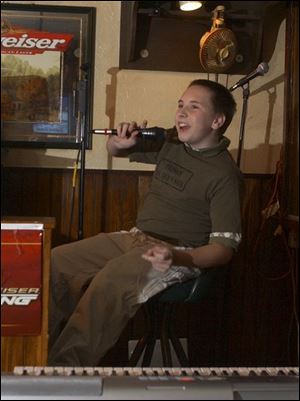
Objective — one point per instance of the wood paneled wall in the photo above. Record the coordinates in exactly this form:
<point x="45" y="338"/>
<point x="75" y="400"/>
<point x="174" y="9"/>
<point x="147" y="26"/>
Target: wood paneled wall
<point x="291" y="129"/>
<point x="251" y="324"/>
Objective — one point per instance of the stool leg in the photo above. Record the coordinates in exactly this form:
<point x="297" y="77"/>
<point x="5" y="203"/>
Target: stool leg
<point x="179" y="351"/>
<point x="164" y="335"/>
<point x="138" y="350"/>
<point x="144" y="343"/>
<point x="153" y="322"/>
<point x="148" y="352"/>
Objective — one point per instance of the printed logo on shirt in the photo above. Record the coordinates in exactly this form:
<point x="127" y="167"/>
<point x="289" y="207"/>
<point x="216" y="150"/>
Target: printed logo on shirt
<point x="172" y="174"/>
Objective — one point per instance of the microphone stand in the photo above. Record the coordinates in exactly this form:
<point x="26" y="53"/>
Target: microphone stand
<point x="82" y="107"/>
<point x="246" y="93"/>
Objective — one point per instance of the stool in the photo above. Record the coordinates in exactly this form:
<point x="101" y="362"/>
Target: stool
<point x="162" y="325"/>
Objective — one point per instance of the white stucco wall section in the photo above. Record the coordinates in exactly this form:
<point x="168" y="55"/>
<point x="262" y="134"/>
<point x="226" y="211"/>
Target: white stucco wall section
<point x="125" y="95"/>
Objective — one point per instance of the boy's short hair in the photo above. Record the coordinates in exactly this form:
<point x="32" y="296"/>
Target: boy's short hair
<point x="222" y="99"/>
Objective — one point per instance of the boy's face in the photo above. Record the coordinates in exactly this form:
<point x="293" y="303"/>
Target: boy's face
<point x="196" y="121"/>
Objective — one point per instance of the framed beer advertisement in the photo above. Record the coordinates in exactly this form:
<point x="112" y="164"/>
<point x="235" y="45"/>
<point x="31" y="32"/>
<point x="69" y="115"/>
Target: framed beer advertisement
<point x="47" y="63"/>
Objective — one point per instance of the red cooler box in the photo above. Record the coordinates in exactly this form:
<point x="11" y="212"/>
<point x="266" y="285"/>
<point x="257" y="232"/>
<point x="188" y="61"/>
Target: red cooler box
<point x="21" y="279"/>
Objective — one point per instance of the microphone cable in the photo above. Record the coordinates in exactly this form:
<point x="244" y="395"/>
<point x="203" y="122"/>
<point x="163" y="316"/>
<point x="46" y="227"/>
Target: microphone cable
<point x="74" y="179"/>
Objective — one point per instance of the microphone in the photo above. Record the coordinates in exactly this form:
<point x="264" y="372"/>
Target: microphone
<point x="149" y="133"/>
<point x="261" y="69"/>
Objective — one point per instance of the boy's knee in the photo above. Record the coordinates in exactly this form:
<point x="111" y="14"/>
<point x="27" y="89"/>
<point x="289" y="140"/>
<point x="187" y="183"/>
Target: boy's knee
<point x="60" y="255"/>
<point x="56" y="253"/>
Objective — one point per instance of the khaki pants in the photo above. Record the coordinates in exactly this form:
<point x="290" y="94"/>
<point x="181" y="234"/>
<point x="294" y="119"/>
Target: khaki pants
<point x="96" y="286"/>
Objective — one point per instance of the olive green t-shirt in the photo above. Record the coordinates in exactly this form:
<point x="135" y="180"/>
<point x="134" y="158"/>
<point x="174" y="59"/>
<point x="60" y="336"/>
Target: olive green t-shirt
<point x="194" y="198"/>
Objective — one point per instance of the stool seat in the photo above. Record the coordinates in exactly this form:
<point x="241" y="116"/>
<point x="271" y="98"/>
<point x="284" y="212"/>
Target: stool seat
<point x="193" y="290"/>
<point x="162" y="324"/>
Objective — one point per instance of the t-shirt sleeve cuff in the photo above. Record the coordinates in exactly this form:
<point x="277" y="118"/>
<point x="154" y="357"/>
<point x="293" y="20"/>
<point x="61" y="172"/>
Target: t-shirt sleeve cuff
<point x="224" y="241"/>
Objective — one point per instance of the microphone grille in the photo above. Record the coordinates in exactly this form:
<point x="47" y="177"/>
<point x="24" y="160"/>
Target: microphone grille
<point x="263" y="68"/>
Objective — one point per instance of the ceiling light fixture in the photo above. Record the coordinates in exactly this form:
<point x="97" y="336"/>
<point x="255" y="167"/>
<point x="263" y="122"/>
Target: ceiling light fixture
<point x="190" y="5"/>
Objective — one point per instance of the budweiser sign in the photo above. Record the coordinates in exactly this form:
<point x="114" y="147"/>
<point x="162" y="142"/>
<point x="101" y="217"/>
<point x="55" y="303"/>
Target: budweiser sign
<point x="33" y="42"/>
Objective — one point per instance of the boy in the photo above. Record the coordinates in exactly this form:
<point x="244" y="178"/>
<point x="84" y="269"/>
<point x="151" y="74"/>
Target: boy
<point x="190" y="221"/>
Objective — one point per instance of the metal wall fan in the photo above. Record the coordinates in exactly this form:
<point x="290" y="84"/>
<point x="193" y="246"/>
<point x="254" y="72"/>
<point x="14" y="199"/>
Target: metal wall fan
<point x="218" y="47"/>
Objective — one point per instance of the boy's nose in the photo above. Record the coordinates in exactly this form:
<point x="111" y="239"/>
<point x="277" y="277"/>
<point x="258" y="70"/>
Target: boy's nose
<point x="183" y="112"/>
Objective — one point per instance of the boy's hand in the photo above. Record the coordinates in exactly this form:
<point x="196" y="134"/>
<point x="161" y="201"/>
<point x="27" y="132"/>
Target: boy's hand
<point x="161" y="257"/>
<point x="127" y="134"/>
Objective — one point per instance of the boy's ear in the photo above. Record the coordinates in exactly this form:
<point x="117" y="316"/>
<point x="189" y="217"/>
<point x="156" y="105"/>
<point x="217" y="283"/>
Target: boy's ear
<point x="218" y="121"/>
